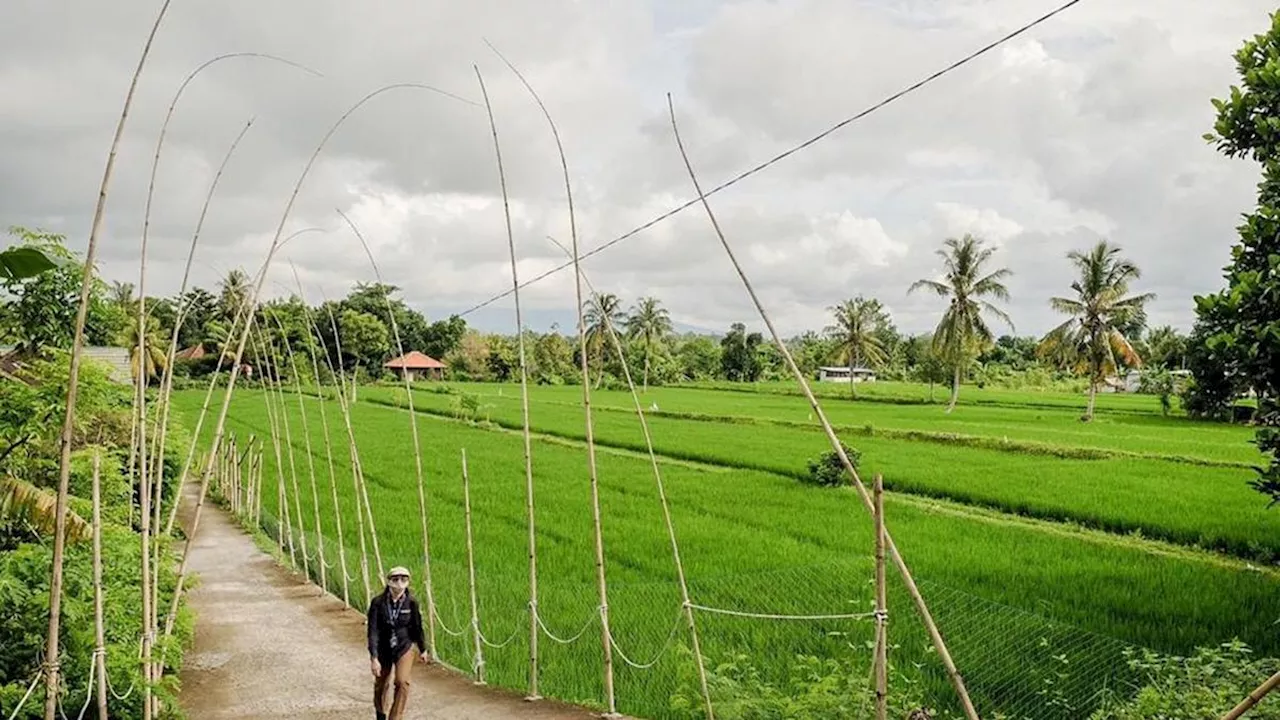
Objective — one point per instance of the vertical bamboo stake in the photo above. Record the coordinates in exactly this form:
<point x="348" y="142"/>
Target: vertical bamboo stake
<point x="328" y="445"/>
<point x="1253" y="698"/>
<point x="340" y="386"/>
<point x="100" y="644"/>
<point x="73" y="386"/>
<point x="311" y="464"/>
<point x="417" y="450"/>
<point x="471" y="571"/>
<point x="601" y="582"/>
<point x="882" y="639"/>
<point x="699" y="663"/>
<point x="358" y="477"/>
<point x="935" y="636"/>
<point x="271" y="379"/>
<point x="524" y="405"/>
<point x="293" y="470"/>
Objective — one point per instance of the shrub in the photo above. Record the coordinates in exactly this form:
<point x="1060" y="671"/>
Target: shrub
<point x="826" y="470"/>
<point x="1205" y="685"/>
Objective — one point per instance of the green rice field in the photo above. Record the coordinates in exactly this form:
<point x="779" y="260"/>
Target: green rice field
<point x="976" y="506"/>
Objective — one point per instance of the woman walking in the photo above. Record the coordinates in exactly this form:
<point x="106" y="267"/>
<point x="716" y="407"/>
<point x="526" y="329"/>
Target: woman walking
<point x="395" y="626"/>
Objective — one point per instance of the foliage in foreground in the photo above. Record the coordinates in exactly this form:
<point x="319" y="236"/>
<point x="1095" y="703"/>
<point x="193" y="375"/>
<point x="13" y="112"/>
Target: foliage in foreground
<point x="1205" y="685"/>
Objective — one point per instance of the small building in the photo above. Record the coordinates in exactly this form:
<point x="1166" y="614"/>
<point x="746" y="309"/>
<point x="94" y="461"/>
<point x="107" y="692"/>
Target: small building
<point x="115" y="360"/>
<point x="844" y="374"/>
<point x="415" y="366"/>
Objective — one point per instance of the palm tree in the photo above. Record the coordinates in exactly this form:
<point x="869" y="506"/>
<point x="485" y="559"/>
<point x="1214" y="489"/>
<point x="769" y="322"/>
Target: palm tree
<point x="649" y="323"/>
<point x="963" y="333"/>
<point x="601" y="308"/>
<point x="37" y="508"/>
<point x="233" y="295"/>
<point x="854" y="331"/>
<point x="122" y="295"/>
<point x="146" y="356"/>
<point x="1092" y="339"/>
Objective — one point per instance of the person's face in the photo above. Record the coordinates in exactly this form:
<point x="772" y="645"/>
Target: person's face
<point x="398" y="583"/>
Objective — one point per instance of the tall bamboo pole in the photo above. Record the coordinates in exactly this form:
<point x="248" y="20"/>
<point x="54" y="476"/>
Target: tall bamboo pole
<point x="99" y="635"/>
<point x="471" y="573"/>
<point x="328" y="445"/>
<point x="601" y="581"/>
<point x="311" y="464"/>
<point x="417" y="449"/>
<point x="52" y="653"/>
<point x="283" y="447"/>
<point x="882" y="639"/>
<point x="686" y="601"/>
<point x="524" y="403"/>
<point x="935" y="636"/>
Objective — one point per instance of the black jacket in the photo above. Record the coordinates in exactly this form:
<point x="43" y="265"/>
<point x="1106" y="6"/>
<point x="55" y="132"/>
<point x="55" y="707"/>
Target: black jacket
<point x="406" y="627"/>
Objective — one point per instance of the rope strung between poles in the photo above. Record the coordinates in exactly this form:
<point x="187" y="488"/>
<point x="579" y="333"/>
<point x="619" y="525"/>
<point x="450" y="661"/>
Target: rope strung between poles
<point x="675" y="627"/>
<point x="595" y="615"/>
<point x="775" y="616"/>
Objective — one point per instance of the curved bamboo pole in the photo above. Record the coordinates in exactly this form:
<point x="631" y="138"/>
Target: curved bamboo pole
<point x="68" y="423"/>
<point x="685" y="600"/>
<point x="1253" y="698"/>
<point x="601" y="581"/>
<point x="311" y="465"/>
<point x="328" y="445"/>
<point x="252" y="300"/>
<point x="213" y="383"/>
<point x="524" y="404"/>
<point x="938" y="643"/>
<point x="417" y="449"/>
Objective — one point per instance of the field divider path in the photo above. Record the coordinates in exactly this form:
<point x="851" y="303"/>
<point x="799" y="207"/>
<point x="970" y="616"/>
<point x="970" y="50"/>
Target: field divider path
<point x="269" y="644"/>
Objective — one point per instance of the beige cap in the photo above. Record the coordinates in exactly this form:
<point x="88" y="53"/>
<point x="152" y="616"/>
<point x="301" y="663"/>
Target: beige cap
<point x="398" y="570"/>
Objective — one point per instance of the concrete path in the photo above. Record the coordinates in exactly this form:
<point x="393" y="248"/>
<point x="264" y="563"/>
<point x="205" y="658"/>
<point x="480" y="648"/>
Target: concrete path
<point x="269" y="645"/>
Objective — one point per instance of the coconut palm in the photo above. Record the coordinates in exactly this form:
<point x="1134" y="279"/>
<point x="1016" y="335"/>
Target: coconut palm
<point x="854" y="331"/>
<point x="148" y="356"/>
<point x="649" y="323"/>
<point x="122" y="295"/>
<point x="37" y="508"/>
<point x="1093" y="340"/>
<point x="963" y="334"/>
<point x="233" y="294"/>
<point x="601" y="308"/>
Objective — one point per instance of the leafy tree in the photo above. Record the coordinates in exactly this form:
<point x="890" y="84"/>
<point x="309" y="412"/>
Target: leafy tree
<point x="810" y="351"/>
<point x="739" y="360"/>
<point x="23" y="261"/>
<point x="1092" y="338"/>
<point x="1018" y="353"/>
<point x="551" y="358"/>
<point x="40" y="309"/>
<point x="365" y="340"/>
<point x="649" y="323"/>
<point x="601" y="308"/>
<point x="198" y="307"/>
<point x="442" y="336"/>
<point x="962" y="334"/>
<point x="1245" y="316"/>
<point x="470" y="359"/>
<point x="929" y="366"/>
<point x="699" y="358"/>
<point x="855" y="332"/>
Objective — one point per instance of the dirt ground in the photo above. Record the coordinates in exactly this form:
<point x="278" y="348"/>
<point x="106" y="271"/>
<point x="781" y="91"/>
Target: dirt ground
<point x="269" y="645"/>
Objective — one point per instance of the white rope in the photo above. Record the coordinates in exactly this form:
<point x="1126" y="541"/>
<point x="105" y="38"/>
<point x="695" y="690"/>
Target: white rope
<point x="590" y="621"/>
<point x="772" y="616"/>
<point x="30" y="689"/>
<point x="117" y="695"/>
<point x="505" y="643"/>
<point x="440" y="622"/>
<point x="93" y="671"/>
<point x="661" y="652"/>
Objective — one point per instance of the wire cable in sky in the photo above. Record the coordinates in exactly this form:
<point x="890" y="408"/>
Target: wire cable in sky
<point x="782" y="156"/>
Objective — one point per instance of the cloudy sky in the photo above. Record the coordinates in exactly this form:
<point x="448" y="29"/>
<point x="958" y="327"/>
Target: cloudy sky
<point x="1090" y="126"/>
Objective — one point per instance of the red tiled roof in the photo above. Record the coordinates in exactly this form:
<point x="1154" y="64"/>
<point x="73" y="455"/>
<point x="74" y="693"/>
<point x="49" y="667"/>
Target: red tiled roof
<point x="414" y="360"/>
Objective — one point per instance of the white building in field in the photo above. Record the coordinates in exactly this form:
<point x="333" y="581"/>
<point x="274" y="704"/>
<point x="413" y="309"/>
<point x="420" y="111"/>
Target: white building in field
<point x="843" y="374"/>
